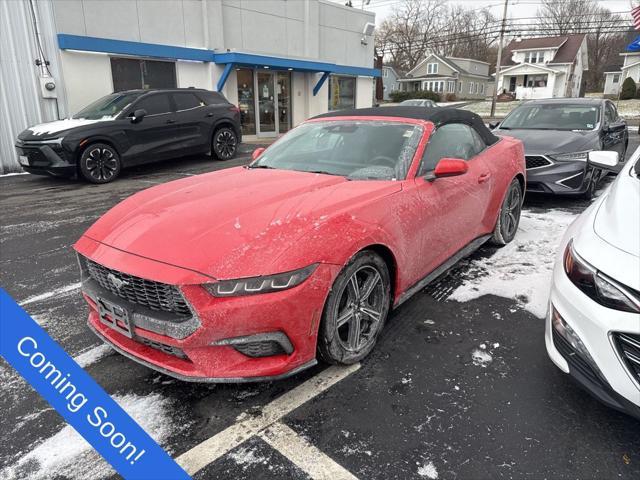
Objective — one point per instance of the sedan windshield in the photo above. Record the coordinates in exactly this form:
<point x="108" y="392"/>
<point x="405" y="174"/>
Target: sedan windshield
<point x="107" y="107"/>
<point x="553" y="117"/>
<point x="417" y="103"/>
<point x="358" y="150"/>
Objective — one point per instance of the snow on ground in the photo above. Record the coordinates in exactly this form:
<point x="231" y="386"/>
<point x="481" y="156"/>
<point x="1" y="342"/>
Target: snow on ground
<point x="92" y="355"/>
<point x="483" y="108"/>
<point x="246" y="456"/>
<point x="481" y="358"/>
<point x="428" y="470"/>
<point x="67" y="289"/>
<point x="522" y="269"/>
<point x="67" y="455"/>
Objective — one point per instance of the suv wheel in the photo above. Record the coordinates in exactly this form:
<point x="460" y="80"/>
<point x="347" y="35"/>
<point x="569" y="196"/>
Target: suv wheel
<point x="100" y="163"/>
<point x="225" y="143"/>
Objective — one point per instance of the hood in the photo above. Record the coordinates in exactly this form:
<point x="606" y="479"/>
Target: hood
<point x="617" y="221"/>
<point x="232" y="223"/>
<point x="58" y="128"/>
<point x="540" y="142"/>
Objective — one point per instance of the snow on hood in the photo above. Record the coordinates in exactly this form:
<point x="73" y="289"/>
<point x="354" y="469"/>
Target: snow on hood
<point x="236" y="222"/>
<point x="62" y="125"/>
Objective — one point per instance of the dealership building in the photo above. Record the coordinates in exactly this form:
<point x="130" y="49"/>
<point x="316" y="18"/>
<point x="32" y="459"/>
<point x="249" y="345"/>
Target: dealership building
<point x="280" y="61"/>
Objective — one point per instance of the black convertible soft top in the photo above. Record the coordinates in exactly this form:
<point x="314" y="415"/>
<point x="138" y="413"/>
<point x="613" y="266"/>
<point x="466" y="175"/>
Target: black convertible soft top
<point x="439" y="116"/>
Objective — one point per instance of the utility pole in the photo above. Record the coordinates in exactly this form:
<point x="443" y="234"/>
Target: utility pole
<point x="499" y="59"/>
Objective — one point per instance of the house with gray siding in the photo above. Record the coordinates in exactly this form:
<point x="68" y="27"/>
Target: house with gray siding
<point x="466" y="78"/>
<point x="389" y="81"/>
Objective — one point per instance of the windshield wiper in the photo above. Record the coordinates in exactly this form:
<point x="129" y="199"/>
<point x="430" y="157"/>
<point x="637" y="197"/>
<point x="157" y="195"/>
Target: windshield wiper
<point x="504" y="128"/>
<point x="262" y="166"/>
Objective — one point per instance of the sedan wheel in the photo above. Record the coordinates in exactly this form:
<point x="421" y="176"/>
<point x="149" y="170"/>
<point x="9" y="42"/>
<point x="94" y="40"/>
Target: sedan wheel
<point x="225" y="144"/>
<point x="356" y="310"/>
<point x="100" y="163"/>
<point x="509" y="216"/>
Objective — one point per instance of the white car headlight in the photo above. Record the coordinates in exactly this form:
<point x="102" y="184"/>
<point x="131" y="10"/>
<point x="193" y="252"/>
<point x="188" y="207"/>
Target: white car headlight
<point x="262" y="284"/>
<point x="571" y="157"/>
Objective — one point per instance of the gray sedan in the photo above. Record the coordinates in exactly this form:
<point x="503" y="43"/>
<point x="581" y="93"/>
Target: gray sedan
<point x="557" y="136"/>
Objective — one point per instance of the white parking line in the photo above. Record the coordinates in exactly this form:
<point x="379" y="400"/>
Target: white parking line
<point x="213" y="448"/>
<point x="52" y="293"/>
<point x="307" y="457"/>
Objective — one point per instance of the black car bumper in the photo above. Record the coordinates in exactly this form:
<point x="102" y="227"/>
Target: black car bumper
<point x="561" y="178"/>
<point x="46" y="159"/>
<point x="592" y="381"/>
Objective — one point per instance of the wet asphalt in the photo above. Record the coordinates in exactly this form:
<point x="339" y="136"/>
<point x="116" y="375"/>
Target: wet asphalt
<point x="418" y="398"/>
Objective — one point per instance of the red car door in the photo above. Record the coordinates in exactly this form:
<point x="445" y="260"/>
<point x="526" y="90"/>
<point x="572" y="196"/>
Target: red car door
<point x="452" y="207"/>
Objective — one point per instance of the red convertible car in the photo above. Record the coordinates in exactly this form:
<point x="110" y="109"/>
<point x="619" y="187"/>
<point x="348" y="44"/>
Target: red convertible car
<point x="253" y="272"/>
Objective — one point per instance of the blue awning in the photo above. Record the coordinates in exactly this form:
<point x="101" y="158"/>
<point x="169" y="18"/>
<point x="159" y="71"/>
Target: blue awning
<point x="228" y="59"/>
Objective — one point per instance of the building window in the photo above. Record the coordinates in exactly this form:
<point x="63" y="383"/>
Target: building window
<point x="460" y="86"/>
<point x="471" y="85"/>
<point x="432" y="68"/>
<point x="482" y="88"/>
<point x="451" y="86"/>
<point x="246" y="100"/>
<point x="385" y="72"/>
<point x="537" y="81"/>
<point x="342" y="92"/>
<point x="534" y="57"/>
<point x="131" y="73"/>
<point x="616" y="77"/>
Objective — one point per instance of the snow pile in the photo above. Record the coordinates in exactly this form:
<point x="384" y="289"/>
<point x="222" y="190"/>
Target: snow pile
<point x="522" y="269"/>
<point x="246" y="457"/>
<point x="92" y="355"/>
<point x="66" y="454"/>
<point x="428" y="470"/>
<point x="481" y="358"/>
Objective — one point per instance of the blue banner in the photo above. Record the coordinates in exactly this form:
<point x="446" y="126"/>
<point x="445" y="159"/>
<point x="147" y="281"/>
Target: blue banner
<point x="634" y="46"/>
<point x="79" y="399"/>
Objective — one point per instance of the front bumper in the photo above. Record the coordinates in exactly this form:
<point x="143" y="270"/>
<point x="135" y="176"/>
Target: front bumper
<point x="559" y="178"/>
<point x="218" y="343"/>
<point x="610" y="381"/>
<point x="46" y="159"/>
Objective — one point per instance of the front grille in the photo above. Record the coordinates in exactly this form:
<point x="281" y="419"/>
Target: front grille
<point x="35" y="156"/>
<point x="147" y="293"/>
<point x="175" y="351"/>
<point x="574" y="359"/>
<point x="537" y="161"/>
<point x="259" y="349"/>
<point x="628" y="346"/>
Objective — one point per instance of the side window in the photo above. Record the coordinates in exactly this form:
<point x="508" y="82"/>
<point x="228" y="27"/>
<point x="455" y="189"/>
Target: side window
<point x="186" y="101"/>
<point x="610" y="114"/>
<point x="478" y="141"/>
<point x="155" y="104"/>
<point x="454" y="140"/>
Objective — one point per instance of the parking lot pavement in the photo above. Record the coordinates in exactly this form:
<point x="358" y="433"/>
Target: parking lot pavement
<point x="459" y="385"/>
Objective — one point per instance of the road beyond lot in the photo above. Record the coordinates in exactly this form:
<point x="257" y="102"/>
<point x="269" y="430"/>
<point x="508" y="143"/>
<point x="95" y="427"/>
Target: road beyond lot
<point x="458" y="387"/>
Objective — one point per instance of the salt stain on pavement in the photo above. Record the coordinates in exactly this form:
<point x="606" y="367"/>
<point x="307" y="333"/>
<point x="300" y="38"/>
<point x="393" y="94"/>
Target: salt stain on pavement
<point x="522" y="269"/>
<point x="67" y="455"/>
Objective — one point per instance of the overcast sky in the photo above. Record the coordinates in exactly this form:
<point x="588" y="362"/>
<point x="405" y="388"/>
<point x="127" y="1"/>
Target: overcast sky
<point x="517" y="8"/>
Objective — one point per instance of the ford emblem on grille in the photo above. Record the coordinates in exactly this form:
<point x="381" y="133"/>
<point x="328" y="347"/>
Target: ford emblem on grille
<point x="116" y="282"/>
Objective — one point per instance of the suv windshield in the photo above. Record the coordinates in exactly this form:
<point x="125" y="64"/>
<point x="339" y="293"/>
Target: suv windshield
<point x="364" y="150"/>
<point x="553" y="117"/>
<point x="107" y="107"/>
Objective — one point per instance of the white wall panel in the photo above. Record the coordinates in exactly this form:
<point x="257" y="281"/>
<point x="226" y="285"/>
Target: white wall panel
<point x="162" y="21"/>
<point x="112" y="19"/>
<point x="87" y="78"/>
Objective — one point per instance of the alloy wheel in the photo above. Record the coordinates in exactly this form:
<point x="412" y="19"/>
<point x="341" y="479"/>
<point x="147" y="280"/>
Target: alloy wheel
<point x="101" y="164"/>
<point x="225" y="144"/>
<point x="511" y="213"/>
<point x="360" y="309"/>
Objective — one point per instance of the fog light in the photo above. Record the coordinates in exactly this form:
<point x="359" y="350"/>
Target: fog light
<point x="569" y="334"/>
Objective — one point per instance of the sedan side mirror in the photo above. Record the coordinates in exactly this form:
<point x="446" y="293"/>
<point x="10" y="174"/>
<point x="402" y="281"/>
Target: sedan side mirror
<point x="257" y="152"/>
<point x="138" y="115"/>
<point x="603" y="159"/>
<point x="493" y="125"/>
<point x="448" y="167"/>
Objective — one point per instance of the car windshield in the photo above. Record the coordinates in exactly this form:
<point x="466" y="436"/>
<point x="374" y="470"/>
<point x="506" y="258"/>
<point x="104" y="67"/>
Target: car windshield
<point x="107" y="107"/>
<point x="553" y="117"/>
<point x="358" y="150"/>
<point x="414" y="103"/>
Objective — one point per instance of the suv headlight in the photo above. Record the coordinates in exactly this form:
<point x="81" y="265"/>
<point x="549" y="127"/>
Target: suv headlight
<point x="571" y="157"/>
<point x="597" y="286"/>
<point x="262" y="284"/>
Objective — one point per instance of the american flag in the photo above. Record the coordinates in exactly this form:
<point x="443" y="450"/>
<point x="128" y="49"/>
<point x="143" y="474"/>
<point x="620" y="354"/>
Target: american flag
<point x="635" y="13"/>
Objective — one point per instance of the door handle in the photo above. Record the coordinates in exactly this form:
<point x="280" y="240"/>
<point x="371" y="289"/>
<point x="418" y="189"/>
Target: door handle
<point x="210" y="114"/>
<point x="484" y="177"/>
<point x="171" y="121"/>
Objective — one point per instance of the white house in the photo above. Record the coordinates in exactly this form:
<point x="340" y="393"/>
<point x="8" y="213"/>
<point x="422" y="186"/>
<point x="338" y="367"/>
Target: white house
<point x="463" y="77"/>
<point x="613" y="80"/>
<point x="544" y="67"/>
<point x="630" y="68"/>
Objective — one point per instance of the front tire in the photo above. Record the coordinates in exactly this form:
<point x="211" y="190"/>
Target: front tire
<point x="509" y="216"/>
<point x="100" y="163"/>
<point x="224" y="144"/>
<point x="356" y="310"/>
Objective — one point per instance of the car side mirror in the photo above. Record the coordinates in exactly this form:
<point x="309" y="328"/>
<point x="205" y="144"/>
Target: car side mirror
<point x="448" y="167"/>
<point x="603" y="159"/>
<point x="138" y="115"/>
<point x="257" y="152"/>
<point x="493" y="125"/>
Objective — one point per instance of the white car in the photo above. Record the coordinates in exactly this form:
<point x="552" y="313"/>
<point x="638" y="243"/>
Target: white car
<point x="593" y="322"/>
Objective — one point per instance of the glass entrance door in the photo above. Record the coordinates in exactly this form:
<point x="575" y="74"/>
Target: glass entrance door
<point x="266" y="93"/>
<point x="273" y="102"/>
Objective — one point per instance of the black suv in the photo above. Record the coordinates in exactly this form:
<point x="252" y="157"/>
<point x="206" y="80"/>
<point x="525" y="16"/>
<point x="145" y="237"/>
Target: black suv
<point x="131" y="128"/>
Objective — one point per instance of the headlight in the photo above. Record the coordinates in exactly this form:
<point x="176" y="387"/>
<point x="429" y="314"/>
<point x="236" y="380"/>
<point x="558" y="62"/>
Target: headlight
<point x="597" y="286"/>
<point x="571" y="157"/>
<point x="264" y="284"/>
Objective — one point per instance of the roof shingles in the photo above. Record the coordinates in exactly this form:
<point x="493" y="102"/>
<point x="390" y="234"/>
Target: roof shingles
<point x="568" y="47"/>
